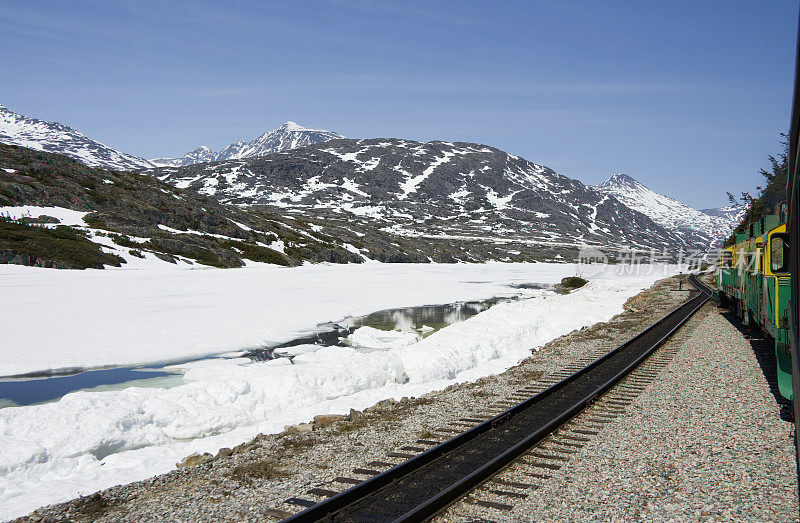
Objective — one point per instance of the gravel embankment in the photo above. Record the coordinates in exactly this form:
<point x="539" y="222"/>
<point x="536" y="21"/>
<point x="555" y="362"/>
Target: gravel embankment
<point x="704" y="441"/>
<point x="253" y="482"/>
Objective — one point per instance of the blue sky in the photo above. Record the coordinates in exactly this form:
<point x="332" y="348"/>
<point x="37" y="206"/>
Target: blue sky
<point x="688" y="97"/>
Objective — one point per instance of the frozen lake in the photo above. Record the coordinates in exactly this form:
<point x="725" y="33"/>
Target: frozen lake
<point x="65" y="319"/>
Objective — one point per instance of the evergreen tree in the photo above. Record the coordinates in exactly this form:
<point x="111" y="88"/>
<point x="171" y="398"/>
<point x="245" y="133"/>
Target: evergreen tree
<point x="769" y="196"/>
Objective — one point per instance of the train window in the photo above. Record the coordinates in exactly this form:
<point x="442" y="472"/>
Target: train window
<point x="778" y="253"/>
<point x="726" y="259"/>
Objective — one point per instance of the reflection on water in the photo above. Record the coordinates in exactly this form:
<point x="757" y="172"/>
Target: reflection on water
<point x="414" y="318"/>
<point x="424" y="319"/>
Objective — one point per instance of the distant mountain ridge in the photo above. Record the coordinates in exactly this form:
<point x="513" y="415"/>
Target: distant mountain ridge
<point x="434" y="188"/>
<point x="706" y="227"/>
<point x="287" y="136"/>
<point x="16" y="129"/>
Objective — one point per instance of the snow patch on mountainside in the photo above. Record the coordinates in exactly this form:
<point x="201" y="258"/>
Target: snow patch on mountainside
<point x="412" y="182"/>
<point x="288" y="136"/>
<point x="16" y="129"/>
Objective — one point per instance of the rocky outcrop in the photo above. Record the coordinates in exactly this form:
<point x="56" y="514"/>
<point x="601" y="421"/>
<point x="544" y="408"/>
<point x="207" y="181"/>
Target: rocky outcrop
<point x="9" y="256"/>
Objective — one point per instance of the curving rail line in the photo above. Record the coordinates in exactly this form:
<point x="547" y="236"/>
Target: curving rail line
<point x="422" y="486"/>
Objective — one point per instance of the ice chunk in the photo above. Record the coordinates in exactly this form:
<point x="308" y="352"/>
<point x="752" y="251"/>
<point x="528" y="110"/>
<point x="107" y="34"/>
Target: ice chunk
<point x="372" y="338"/>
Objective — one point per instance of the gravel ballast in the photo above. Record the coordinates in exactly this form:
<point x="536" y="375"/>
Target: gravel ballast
<point x="704" y="441"/>
<point x="718" y="441"/>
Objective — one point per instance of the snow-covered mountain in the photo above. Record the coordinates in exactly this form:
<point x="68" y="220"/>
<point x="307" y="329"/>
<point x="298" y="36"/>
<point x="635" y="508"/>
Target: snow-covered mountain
<point x="433" y="188"/>
<point x="700" y="229"/>
<point x="287" y="136"/>
<point x="436" y="188"/>
<point x="16" y="129"/>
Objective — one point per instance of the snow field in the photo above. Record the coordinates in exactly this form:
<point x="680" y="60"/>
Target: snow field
<point x="92" y="440"/>
<point x="63" y="215"/>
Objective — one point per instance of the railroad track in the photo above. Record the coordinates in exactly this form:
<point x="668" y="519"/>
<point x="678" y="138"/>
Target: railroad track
<point x="425" y="484"/>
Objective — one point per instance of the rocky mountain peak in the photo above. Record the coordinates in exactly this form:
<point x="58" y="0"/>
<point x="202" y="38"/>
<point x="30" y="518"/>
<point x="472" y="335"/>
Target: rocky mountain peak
<point x="291" y="126"/>
<point x="620" y="179"/>
<point x="287" y="136"/>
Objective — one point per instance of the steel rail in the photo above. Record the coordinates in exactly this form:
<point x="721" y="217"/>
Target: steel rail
<point x="335" y="507"/>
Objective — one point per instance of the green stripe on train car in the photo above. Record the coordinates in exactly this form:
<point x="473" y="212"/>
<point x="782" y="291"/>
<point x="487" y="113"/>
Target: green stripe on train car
<point x="781" y="334"/>
<point x="769" y="302"/>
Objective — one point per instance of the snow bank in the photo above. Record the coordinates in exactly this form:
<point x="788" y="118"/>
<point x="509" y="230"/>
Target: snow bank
<point x="506" y="333"/>
<point x="92" y="440"/>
